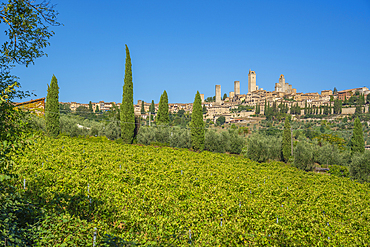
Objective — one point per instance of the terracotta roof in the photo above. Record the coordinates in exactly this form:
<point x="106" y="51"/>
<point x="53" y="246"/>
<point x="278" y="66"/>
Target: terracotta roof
<point x="30" y="101"/>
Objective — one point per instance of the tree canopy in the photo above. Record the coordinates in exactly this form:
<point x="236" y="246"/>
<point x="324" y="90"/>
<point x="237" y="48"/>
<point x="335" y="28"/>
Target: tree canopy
<point x="197" y="124"/>
<point x="127" y="106"/>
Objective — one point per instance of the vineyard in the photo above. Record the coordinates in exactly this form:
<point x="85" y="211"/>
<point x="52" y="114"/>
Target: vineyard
<point x="103" y="193"/>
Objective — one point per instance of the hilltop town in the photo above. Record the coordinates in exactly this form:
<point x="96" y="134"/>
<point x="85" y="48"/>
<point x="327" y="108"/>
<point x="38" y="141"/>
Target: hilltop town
<point x="224" y="105"/>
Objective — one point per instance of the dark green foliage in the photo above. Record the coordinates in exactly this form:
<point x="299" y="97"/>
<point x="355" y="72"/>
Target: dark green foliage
<point x="181" y="113"/>
<point x="127" y="106"/>
<point x="64" y="108"/>
<point x="90" y="107"/>
<point x="162" y="114"/>
<point x="360" y="166"/>
<point x="114" y="112"/>
<point x="204" y="109"/>
<point x="17" y="217"/>
<point x="262" y="148"/>
<point x="214" y="142"/>
<point x="303" y="156"/>
<point x="258" y="109"/>
<point x="242" y="108"/>
<point x="26" y="26"/>
<point x="210" y="99"/>
<point x="286" y="145"/>
<point x="327" y="154"/>
<point x="220" y="120"/>
<point x="358" y="109"/>
<point x="236" y="142"/>
<point x="97" y="109"/>
<point x="339" y="171"/>
<point x="52" y="114"/>
<point x="357" y="140"/>
<point x="152" y="107"/>
<point x="368" y="98"/>
<point x="142" y="111"/>
<point x="305" y="108"/>
<point x="271" y="131"/>
<point x="174" y="137"/>
<point x="335" y="90"/>
<point x="83" y="111"/>
<point x="226" y="141"/>
<point x="197" y="124"/>
<point x="337" y="106"/>
<point x="225" y="96"/>
<point x="295" y="109"/>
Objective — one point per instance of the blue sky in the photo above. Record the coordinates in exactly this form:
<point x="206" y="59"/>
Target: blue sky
<point x="185" y="46"/>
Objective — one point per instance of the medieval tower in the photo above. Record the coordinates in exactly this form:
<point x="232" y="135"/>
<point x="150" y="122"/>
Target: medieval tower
<point x="236" y="88"/>
<point x="218" y="94"/>
<point x="282" y="86"/>
<point x="252" y="85"/>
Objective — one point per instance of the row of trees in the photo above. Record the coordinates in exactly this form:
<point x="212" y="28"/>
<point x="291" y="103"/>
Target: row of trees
<point x="325" y="149"/>
<point x="128" y="123"/>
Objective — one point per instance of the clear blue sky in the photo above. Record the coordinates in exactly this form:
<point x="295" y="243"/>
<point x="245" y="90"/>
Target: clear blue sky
<point x="185" y="46"/>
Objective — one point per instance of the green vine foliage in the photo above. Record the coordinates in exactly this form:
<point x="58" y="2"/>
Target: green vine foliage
<point x="153" y="196"/>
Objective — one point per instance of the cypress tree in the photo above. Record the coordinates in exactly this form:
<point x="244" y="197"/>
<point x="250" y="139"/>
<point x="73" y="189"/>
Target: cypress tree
<point x="90" y="107"/>
<point x="286" y="140"/>
<point x="52" y="108"/>
<point x="162" y="114"/>
<point x="305" y="107"/>
<point x="197" y="124"/>
<point x="96" y="109"/>
<point x="127" y="106"/>
<point x="152" y="107"/>
<point x="357" y="140"/>
<point x="225" y="96"/>
<point x="142" y="107"/>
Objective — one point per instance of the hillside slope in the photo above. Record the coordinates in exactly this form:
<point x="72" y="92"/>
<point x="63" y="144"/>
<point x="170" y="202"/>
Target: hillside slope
<point x="162" y="196"/>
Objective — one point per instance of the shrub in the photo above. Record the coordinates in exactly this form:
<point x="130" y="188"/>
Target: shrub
<point x="339" y="171"/>
<point x="174" y="137"/>
<point x="146" y="135"/>
<point x="236" y="142"/>
<point x="360" y="166"/>
<point x="262" y="148"/>
<point x="303" y="156"/>
<point x="213" y="142"/>
<point x="326" y="155"/>
<point x="180" y="138"/>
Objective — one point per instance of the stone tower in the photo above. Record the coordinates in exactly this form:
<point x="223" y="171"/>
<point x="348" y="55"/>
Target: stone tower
<point x="202" y="97"/>
<point x="236" y="87"/>
<point x="282" y="83"/>
<point x="252" y="85"/>
<point x="218" y="94"/>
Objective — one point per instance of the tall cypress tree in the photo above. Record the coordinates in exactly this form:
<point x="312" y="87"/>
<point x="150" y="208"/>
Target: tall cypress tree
<point x="286" y="140"/>
<point x="90" y="107"/>
<point x="127" y="106"/>
<point x="305" y="107"/>
<point x="197" y="124"/>
<point x="142" y="108"/>
<point x="152" y="107"/>
<point x="162" y="114"/>
<point x="52" y="108"/>
<point x="357" y="140"/>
